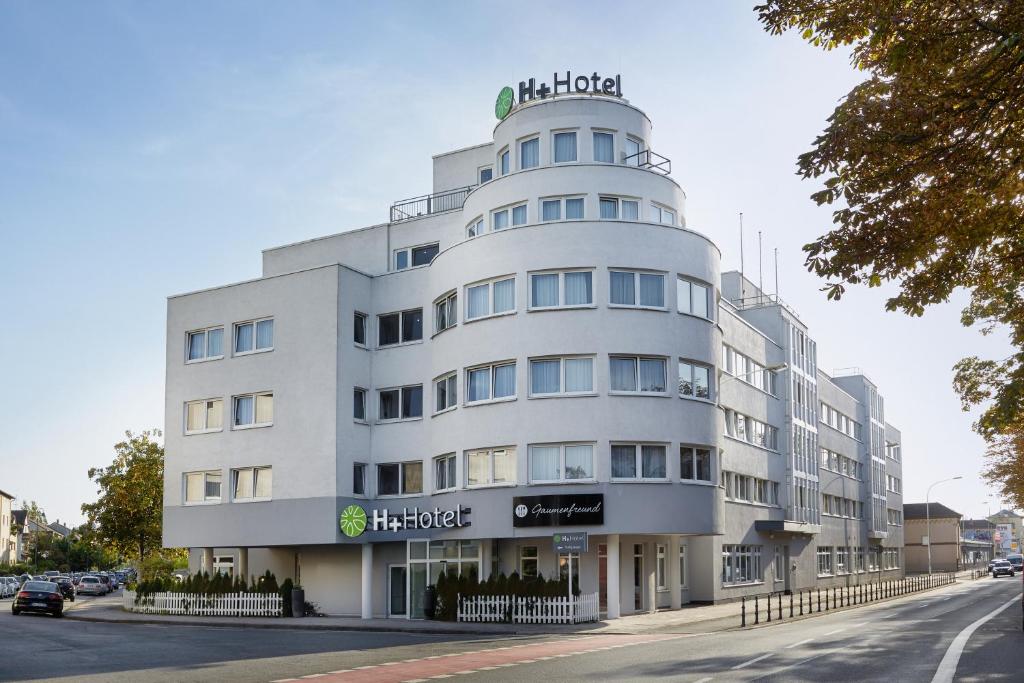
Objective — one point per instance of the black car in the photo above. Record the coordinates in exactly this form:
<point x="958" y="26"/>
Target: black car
<point x="39" y="596"/>
<point x="66" y="586"/>
<point x="1002" y="567"/>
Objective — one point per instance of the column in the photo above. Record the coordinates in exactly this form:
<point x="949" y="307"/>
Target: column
<point x="367" y="581"/>
<point x="486" y="561"/>
<point x="651" y="579"/>
<point x="673" y="578"/>
<point x="242" y="569"/>
<point x="614" y="601"/>
<point x="207" y="563"/>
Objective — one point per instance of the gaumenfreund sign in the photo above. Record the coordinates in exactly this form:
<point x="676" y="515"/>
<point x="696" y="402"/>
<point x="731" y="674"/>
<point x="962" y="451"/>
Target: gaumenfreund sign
<point x="558" y="510"/>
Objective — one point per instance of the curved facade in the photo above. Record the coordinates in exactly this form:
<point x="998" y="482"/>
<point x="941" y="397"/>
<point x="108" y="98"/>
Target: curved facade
<point x="539" y="346"/>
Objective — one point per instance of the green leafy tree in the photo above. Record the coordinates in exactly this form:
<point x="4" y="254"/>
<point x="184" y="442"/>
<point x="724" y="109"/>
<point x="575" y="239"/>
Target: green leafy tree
<point x="128" y="514"/>
<point x="924" y="164"/>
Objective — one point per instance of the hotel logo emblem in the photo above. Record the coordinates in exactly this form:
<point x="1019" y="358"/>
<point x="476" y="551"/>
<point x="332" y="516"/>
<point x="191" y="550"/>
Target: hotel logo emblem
<point x="353" y="521"/>
<point x="503" y="105"/>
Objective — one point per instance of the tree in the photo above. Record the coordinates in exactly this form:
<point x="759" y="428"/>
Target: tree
<point x="128" y="513"/>
<point x="924" y="162"/>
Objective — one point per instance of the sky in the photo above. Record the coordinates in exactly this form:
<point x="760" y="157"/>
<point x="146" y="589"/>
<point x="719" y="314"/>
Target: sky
<point x="149" y="148"/>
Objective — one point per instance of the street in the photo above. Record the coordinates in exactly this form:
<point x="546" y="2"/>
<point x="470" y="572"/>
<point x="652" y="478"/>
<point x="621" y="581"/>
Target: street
<point x="903" y="640"/>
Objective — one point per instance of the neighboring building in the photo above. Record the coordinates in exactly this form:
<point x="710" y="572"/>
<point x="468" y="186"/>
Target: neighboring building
<point x="541" y="345"/>
<point x="27" y="531"/>
<point x="944" y="538"/>
<point x="977" y="545"/>
<point x="1010" y="531"/>
<point x="59" y="529"/>
<point x="8" y="542"/>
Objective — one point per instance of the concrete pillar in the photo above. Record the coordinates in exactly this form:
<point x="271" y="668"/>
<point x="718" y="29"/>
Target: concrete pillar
<point x="367" y="581"/>
<point x="242" y="569"/>
<point x="651" y="579"/>
<point x="486" y="561"/>
<point x="614" y="601"/>
<point x="672" y="565"/>
<point x="207" y="563"/>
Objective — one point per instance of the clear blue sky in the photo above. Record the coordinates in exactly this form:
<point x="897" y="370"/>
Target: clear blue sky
<point x="152" y="148"/>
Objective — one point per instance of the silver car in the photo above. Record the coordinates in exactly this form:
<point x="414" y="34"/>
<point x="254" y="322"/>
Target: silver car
<point x="91" y="585"/>
<point x="8" y="586"/>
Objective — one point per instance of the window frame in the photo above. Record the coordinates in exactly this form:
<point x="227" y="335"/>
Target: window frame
<point x="409" y="255"/>
<point x="574" y="132"/>
<point x="362" y="391"/>
<point x="255" y="327"/>
<point x="746" y="556"/>
<point x="207" y="500"/>
<point x="693" y="448"/>
<point x="480" y="174"/>
<point x="363" y="318"/>
<point x="253" y="498"/>
<point x="562" y="479"/>
<point x="593" y="147"/>
<point x="206" y="416"/>
<point x="490" y="483"/>
<point x="563" y="208"/>
<point x="710" y="369"/>
<point x="493" y="366"/>
<point x="636" y="366"/>
<point x="360" y="468"/>
<point x="636" y="289"/>
<point x="449" y="403"/>
<point x="504" y="164"/>
<point x="619" y="212"/>
<point x="205" y="331"/>
<point x="561" y="305"/>
<point x="489" y="283"/>
<point x="252" y="425"/>
<point x="561" y="393"/>
<point x="450" y="303"/>
<point x="708" y="296"/>
<point x="533" y="557"/>
<point x="659" y="216"/>
<point x="476" y="227"/>
<point x="533" y="137"/>
<point x="444" y="460"/>
<point x="401" y="389"/>
<point x="661" y="567"/>
<point x="401" y="328"/>
<point x="402" y="464"/>
<point x="638" y="462"/>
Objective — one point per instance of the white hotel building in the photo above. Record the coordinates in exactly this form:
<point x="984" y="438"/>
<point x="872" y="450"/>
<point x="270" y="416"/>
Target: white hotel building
<point x="543" y="331"/>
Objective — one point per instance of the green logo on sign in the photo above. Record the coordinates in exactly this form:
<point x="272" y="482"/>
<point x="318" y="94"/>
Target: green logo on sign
<point x="353" y="521"/>
<point x="504" y="103"/>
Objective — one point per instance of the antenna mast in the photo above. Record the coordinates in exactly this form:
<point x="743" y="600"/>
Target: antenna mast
<point x="743" y="276"/>
<point x="760" y="267"/>
<point x="776" y="274"/>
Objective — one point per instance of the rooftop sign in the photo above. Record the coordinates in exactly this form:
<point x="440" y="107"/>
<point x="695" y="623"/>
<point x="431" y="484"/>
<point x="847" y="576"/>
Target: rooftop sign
<point x="529" y="90"/>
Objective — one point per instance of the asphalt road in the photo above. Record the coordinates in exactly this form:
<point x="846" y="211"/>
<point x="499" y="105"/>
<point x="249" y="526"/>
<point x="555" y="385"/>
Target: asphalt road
<point x="904" y="640"/>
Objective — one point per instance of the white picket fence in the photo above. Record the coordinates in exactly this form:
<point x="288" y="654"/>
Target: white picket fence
<point x="195" y="604"/>
<point x="519" y="610"/>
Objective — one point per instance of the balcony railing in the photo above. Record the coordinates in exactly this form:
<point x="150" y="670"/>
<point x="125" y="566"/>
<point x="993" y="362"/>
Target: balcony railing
<point x="651" y="160"/>
<point x="439" y="202"/>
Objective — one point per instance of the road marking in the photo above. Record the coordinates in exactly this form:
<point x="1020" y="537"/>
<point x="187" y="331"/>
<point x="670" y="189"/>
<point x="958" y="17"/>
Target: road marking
<point x="752" y="661"/>
<point x="947" y="667"/>
<point x="704" y="680"/>
<point x="838" y="630"/>
<point x="790" y="647"/>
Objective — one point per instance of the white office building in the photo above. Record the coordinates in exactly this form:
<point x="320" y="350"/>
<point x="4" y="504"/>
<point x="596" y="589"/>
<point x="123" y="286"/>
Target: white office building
<point x="540" y="345"/>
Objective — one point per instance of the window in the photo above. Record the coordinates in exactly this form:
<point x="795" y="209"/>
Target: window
<point x="202" y="487"/>
<point x="476" y="227"/>
<point x="499" y="220"/>
<point x="659" y="566"/>
<point x="529" y="153"/>
<point x="204" y="416"/>
<point x="695" y="463"/>
<point x="565" y="147"/>
<point x="570" y="288"/>
<point x="528" y="562"/>
<point x="254" y="410"/>
<point x="359" y="404"/>
<point x="753" y="431"/>
<point x="633" y="146"/>
<point x="682" y="566"/>
<point x="489" y="466"/>
<point x="561" y="376"/>
<point x="444" y="472"/>
<point x="660" y="214"/>
<point x="445" y="392"/>
<point x="561" y="462"/>
<point x="401" y="403"/>
<point x="253" y="336"/>
<point x="486" y="174"/>
<point x="490" y="298"/>
<point x="842" y="560"/>
<point x="399" y="478"/>
<point x="446" y="312"/>
<point x="551" y="210"/>
<point x="612" y="208"/>
<point x="400" y="328"/>
<point x="574" y="209"/>
<point x="491" y="382"/>
<point x="503" y="161"/>
<point x="741" y="564"/>
<point x="205" y="344"/>
<point x="359" y="328"/>
<point x="638" y="461"/>
<point x="625" y="376"/>
<point x="692" y="298"/>
<point x="627" y="285"/>
<point x="604" y="147"/>
<point x="694" y="380"/>
<point x="519" y="215"/>
<point x="251" y="483"/>
<point x="359" y="479"/>
<point x="825" y="561"/>
<point x="416" y="256"/>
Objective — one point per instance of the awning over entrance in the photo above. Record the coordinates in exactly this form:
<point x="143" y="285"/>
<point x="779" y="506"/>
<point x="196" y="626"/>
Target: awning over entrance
<point x="780" y="526"/>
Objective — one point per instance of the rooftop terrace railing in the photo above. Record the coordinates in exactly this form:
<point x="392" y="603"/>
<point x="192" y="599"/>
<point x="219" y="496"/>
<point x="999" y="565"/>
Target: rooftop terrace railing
<point x="429" y="204"/>
<point x="651" y="160"/>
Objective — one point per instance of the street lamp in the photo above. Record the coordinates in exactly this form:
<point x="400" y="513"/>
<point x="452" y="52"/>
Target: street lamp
<point x="928" y="514"/>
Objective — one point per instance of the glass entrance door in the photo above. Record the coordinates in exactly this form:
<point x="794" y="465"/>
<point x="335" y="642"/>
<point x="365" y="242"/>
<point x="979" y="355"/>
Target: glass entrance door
<point x="397" y="593"/>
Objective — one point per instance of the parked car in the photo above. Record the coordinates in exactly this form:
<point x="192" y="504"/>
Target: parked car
<point x="91" y="585"/>
<point x="51" y="573"/>
<point x="39" y="596"/>
<point x="23" y="578"/>
<point x="1017" y="561"/>
<point x="8" y="586"/>
<point x="1001" y="568"/>
<point x="107" y="583"/>
<point x="67" y="589"/>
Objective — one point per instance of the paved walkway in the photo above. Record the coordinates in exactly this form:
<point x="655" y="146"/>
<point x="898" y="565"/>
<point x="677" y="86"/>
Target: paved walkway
<point x="689" y="619"/>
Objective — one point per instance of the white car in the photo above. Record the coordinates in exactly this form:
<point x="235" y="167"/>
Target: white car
<point x="91" y="585"/>
<point x="8" y="586"/>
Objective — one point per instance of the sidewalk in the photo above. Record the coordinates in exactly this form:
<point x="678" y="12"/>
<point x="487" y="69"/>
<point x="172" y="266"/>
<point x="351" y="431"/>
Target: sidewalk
<point x="692" y="619"/>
